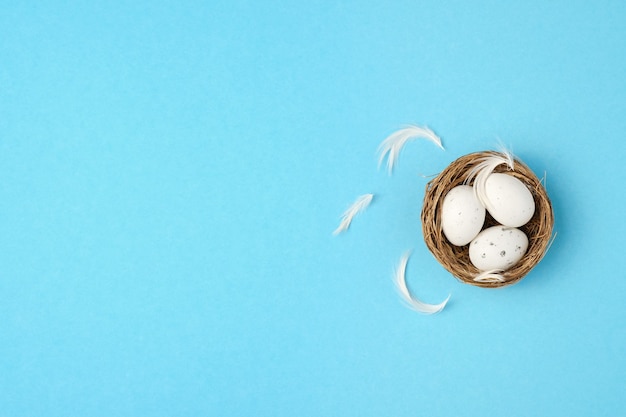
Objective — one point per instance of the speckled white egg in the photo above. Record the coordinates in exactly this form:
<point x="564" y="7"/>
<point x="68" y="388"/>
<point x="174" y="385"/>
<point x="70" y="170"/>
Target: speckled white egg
<point x="462" y="215"/>
<point x="498" y="247"/>
<point x="510" y="201"/>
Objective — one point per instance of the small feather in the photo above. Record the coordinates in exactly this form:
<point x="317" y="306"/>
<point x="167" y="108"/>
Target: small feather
<point x="481" y="171"/>
<point x="393" y="144"/>
<point x="507" y="155"/>
<point x="411" y="301"/>
<point x="493" y="275"/>
<point x="360" y="204"/>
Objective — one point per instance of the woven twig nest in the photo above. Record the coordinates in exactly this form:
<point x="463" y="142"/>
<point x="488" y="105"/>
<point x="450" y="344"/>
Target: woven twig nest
<point x="456" y="258"/>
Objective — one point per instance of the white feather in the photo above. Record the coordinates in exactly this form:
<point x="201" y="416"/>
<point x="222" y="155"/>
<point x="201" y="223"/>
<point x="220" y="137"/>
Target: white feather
<point x="481" y="171"/>
<point x="393" y="144"/>
<point x="493" y="275"/>
<point x="360" y="204"/>
<point x="411" y="301"/>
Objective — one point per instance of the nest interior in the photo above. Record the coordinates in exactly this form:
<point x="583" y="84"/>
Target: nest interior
<point x="456" y="259"/>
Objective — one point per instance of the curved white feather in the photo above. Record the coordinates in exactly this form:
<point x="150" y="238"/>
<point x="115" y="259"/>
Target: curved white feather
<point x="360" y="204"/>
<point x="393" y="144"/>
<point x="411" y="301"/>
<point x="493" y="275"/>
<point x="481" y="171"/>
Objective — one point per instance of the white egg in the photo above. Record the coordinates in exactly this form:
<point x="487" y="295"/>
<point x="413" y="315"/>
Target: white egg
<point x="498" y="247"/>
<point x="510" y="201"/>
<point x="462" y="215"/>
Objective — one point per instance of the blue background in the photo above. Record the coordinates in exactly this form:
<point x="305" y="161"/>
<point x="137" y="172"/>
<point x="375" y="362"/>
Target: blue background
<point x="171" y="173"/>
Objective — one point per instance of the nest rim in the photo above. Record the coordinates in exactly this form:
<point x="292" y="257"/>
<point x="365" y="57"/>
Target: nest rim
<point x="455" y="259"/>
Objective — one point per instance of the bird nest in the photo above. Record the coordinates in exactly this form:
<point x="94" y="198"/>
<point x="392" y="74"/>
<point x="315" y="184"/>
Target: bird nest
<point x="456" y="259"/>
